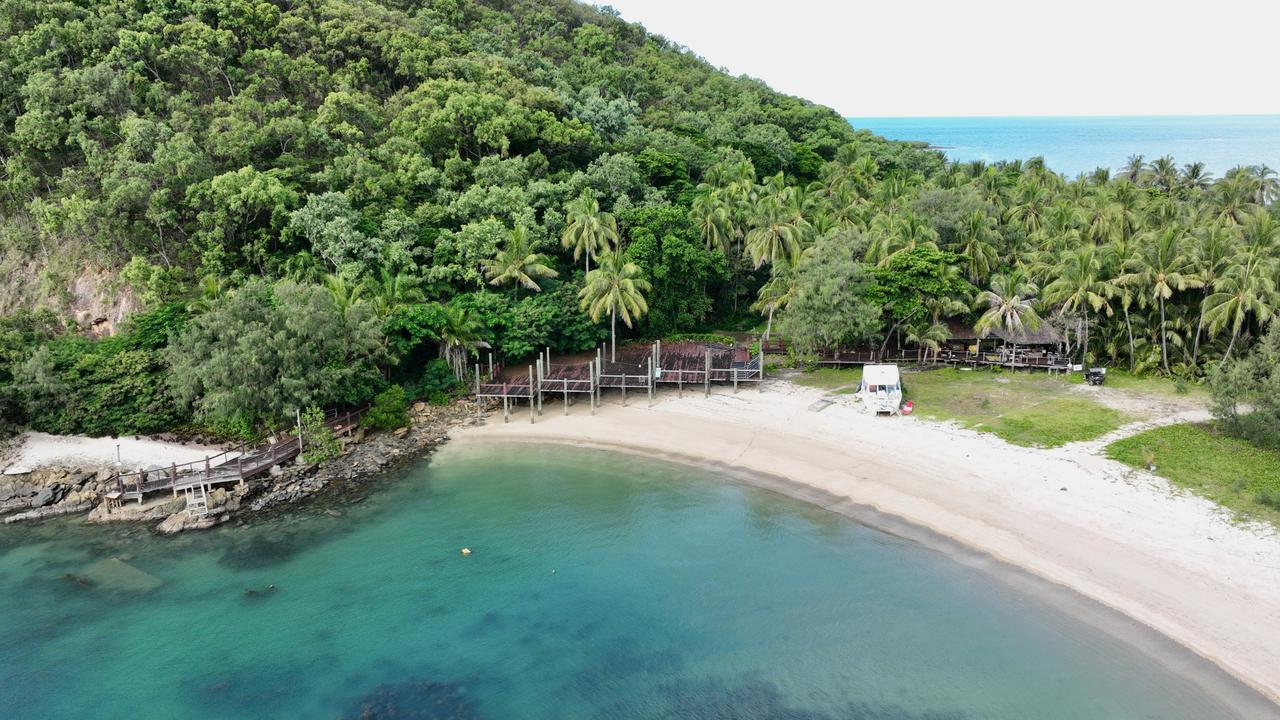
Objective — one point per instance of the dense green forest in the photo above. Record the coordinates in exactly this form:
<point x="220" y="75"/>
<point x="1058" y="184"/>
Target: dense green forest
<point x="310" y="202"/>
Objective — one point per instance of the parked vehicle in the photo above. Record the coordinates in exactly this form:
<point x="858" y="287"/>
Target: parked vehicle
<point x="881" y="388"/>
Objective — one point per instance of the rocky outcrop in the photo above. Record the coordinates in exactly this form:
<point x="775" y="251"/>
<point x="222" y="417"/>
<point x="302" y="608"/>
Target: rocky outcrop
<point x="52" y="492"/>
<point x="365" y="458"/>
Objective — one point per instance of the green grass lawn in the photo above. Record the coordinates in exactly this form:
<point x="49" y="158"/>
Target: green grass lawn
<point x="1032" y="410"/>
<point x="1231" y="472"/>
<point x="1151" y="384"/>
<point x="842" y="380"/>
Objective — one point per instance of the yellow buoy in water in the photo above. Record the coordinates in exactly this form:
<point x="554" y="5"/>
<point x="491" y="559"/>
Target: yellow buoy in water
<point x="466" y="551"/>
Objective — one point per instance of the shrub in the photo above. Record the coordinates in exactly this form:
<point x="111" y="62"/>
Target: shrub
<point x="390" y="410"/>
<point x="318" y="442"/>
<point x="701" y="338"/>
<point x="436" y="384"/>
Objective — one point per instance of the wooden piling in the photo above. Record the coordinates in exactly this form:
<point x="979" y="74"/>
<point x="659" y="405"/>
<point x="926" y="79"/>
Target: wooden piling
<point x="706" y="377"/>
<point x="593" y="387"/>
<point x="506" y="412"/>
<point x="531" y="408"/>
<point x="542" y="373"/>
<point x="650" y="383"/>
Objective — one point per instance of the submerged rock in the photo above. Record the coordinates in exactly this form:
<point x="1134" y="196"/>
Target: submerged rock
<point x="117" y="575"/>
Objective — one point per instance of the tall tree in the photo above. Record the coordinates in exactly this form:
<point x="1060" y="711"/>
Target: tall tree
<point x="590" y="231"/>
<point x="516" y="263"/>
<point x="616" y="287"/>
<point x="1162" y="268"/>
<point x="1008" y="305"/>
<point x="1078" y="287"/>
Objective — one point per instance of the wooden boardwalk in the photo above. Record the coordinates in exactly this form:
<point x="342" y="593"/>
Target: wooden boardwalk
<point x="196" y="479"/>
<point x="1014" y="357"/>
<point x="636" y="368"/>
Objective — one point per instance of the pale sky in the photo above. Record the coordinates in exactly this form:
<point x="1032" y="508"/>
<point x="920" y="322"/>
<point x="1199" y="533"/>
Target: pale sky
<point x="990" y="57"/>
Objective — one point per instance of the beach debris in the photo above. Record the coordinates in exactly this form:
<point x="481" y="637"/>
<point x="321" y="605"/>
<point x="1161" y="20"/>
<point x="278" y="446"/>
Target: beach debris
<point x="466" y="551"/>
<point x="820" y="405"/>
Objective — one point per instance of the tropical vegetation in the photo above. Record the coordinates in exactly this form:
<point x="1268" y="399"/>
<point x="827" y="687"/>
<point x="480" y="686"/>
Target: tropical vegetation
<point x="305" y="204"/>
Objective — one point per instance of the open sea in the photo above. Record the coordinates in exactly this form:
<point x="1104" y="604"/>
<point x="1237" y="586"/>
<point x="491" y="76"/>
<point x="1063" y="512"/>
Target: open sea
<point x="600" y="586"/>
<point x="1074" y="145"/>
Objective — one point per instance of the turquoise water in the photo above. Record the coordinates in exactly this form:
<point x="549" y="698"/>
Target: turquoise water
<point x="1073" y="145"/>
<point x="601" y="586"/>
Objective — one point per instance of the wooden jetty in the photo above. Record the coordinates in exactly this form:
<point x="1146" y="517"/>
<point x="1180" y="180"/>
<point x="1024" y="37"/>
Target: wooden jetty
<point x="197" y="479"/>
<point x="636" y="368"/>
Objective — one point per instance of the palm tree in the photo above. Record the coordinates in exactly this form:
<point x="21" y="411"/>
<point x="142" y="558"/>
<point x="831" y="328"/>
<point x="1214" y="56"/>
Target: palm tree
<point x="1077" y="287"/>
<point x="388" y="290"/>
<point x="1008" y="305"/>
<point x="459" y="333"/>
<point x="614" y="287"/>
<point x="1162" y="268"/>
<point x="774" y="295"/>
<point x="1116" y="256"/>
<point x="1246" y="287"/>
<point x="711" y="216"/>
<point x="976" y="244"/>
<point x="927" y="337"/>
<point x="778" y="235"/>
<point x="1164" y="174"/>
<point x="1134" y="169"/>
<point x="589" y="230"/>
<point x="517" y="264"/>
<point x="1214" y="249"/>
<point x="893" y="233"/>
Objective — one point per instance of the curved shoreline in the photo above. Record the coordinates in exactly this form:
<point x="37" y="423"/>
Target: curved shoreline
<point x="1158" y="611"/>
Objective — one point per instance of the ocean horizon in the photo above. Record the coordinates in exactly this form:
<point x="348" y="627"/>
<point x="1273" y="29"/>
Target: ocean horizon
<point x="1073" y="145"/>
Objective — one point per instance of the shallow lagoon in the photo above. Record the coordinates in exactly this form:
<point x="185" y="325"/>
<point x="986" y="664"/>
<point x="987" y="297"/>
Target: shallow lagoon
<point x="601" y="585"/>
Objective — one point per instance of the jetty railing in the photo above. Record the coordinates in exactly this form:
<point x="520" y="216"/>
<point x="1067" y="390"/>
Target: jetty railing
<point x="233" y="465"/>
<point x="634" y="368"/>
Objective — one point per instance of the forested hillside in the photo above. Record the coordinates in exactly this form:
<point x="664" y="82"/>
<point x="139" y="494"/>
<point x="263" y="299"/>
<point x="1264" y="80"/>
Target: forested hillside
<point x="319" y="202"/>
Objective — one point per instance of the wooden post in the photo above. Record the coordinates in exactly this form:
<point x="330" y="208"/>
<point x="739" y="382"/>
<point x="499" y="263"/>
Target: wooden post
<point x="706" y="378"/>
<point x="760" y="382"/>
<point x="490" y="366"/>
<point x="734" y="372"/>
<point x="506" y="413"/>
<point x="541" y="374"/>
<point x="624" y="388"/>
<point x="206" y="466"/>
<point x="650" y="383"/>
<point x="592" y="387"/>
<point x="173" y="478"/>
<point x="531" y="408"/>
<point x="680" y="382"/>
<point x="298" y="413"/>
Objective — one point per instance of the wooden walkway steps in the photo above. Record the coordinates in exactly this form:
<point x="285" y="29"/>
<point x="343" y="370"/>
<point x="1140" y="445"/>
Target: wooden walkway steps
<point x="197" y="479"/>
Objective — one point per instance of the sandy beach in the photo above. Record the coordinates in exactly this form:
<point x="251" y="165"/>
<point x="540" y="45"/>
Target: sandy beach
<point x="32" y="450"/>
<point x="1167" y="559"/>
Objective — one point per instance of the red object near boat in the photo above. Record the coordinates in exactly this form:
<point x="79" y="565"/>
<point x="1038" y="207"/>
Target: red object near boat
<point x="907" y="407"/>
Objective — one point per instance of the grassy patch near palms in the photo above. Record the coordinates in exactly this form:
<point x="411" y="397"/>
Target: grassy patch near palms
<point x="844" y="380"/>
<point x="1032" y="410"/>
<point x="1231" y="472"/>
<point x="1148" y="384"/>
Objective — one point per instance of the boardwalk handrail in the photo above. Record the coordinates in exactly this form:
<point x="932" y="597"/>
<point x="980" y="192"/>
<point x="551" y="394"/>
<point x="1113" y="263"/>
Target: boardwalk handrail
<point x="167" y="477"/>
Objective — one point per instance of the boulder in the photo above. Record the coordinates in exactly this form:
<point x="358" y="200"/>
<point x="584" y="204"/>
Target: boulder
<point x="43" y="496"/>
<point x="118" y="575"/>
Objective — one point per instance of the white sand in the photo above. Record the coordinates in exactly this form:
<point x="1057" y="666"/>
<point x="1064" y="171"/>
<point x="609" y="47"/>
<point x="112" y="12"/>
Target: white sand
<point x="33" y="450"/>
<point x="1168" y="559"/>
